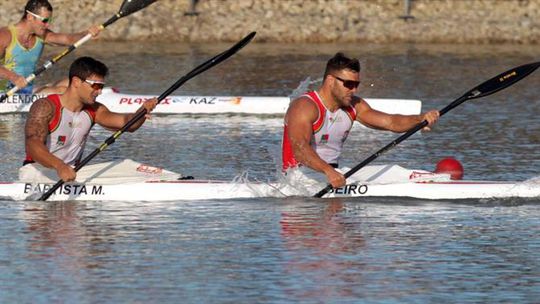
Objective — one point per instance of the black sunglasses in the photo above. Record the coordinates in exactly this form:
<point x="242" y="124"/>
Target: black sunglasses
<point x="349" y="84"/>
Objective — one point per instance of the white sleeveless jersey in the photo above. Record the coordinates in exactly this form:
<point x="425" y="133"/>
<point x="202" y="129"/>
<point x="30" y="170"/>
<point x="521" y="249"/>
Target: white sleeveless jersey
<point x="68" y="132"/>
<point x="330" y="131"/>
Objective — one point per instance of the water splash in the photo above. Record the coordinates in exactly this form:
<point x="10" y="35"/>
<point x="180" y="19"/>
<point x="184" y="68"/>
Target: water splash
<point x="303" y="87"/>
<point x="533" y="181"/>
<point x="261" y="188"/>
<point x="303" y="182"/>
<point x="242" y="178"/>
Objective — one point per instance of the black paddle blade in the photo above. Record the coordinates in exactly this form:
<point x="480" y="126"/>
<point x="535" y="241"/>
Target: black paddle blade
<point x="503" y="80"/>
<point x="131" y="6"/>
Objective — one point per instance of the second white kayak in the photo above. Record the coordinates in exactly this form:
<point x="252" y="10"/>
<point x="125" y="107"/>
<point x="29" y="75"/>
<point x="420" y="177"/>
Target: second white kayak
<point x="254" y="105"/>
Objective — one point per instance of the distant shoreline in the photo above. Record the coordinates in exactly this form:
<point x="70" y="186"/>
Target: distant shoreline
<point x="379" y="21"/>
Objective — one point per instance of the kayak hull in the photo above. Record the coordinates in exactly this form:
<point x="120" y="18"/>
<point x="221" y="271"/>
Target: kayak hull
<point x="128" y="180"/>
<point x="211" y="190"/>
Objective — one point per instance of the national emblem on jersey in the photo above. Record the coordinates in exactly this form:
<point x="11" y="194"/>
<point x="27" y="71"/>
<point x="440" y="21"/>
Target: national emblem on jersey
<point x="324" y="139"/>
<point x="61" y="140"/>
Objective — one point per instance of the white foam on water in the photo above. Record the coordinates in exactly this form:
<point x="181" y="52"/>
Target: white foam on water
<point x="302" y="181"/>
<point x="533" y="181"/>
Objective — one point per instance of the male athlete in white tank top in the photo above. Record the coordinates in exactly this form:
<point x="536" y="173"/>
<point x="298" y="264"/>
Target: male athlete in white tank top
<point x="57" y="126"/>
<point x="68" y="131"/>
<point x="330" y="131"/>
<point x="316" y="142"/>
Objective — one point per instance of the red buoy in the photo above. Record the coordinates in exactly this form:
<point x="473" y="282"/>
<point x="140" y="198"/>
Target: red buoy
<point x="450" y="166"/>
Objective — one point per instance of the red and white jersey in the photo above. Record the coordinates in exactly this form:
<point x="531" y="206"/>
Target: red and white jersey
<point x="68" y="132"/>
<point x="330" y="131"/>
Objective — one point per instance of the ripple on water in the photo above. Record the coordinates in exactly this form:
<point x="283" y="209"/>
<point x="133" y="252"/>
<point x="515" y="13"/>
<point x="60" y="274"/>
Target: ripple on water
<point x="295" y="249"/>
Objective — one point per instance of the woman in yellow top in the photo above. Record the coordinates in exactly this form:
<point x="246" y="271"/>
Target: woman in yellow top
<point x="21" y="44"/>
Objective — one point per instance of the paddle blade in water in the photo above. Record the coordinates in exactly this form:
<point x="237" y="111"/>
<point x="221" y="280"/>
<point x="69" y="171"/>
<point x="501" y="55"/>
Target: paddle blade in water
<point x="131" y="6"/>
<point x="503" y="80"/>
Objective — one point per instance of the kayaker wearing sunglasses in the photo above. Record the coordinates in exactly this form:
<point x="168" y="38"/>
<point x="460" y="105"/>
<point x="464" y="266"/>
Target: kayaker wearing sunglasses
<point x="318" y="123"/>
<point x="57" y="126"/>
<point x="21" y="44"/>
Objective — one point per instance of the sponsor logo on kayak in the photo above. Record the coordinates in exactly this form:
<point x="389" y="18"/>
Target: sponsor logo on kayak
<point x="351" y="189"/>
<point x="66" y="189"/>
<point x="416" y="175"/>
<point x="149" y="169"/>
<point x="138" y="101"/>
<point x="202" y="100"/>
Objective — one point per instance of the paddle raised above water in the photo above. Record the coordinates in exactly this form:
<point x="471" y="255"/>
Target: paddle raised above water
<point x="128" y="7"/>
<point x="489" y="87"/>
<point x="196" y="71"/>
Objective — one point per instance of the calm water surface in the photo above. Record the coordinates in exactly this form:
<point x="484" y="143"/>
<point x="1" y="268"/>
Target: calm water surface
<point x="297" y="249"/>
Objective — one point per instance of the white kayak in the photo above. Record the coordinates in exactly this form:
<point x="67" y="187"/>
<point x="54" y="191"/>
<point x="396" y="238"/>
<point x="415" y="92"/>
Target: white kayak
<point x="131" y="181"/>
<point x="128" y="103"/>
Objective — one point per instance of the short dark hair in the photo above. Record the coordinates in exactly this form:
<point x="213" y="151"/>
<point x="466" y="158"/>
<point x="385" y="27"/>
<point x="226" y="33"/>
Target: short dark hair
<point x="34" y="6"/>
<point x="83" y="67"/>
<point x="341" y="62"/>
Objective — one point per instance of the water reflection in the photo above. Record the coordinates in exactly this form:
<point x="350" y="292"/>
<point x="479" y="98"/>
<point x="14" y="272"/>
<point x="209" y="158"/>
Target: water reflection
<point x="4" y="130"/>
<point x="321" y="240"/>
<point x="291" y="250"/>
<point x="61" y="236"/>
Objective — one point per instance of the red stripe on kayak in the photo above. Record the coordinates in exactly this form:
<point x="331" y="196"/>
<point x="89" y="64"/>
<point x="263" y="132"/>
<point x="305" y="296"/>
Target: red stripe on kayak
<point x="465" y="183"/>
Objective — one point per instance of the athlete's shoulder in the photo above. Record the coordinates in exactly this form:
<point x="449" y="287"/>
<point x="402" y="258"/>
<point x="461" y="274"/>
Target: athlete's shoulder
<point x="303" y="102"/>
<point x="98" y="106"/>
<point x="302" y="108"/>
<point x="356" y="100"/>
<point x="42" y="107"/>
<point x="301" y="98"/>
<point x="98" y="109"/>
<point x="5" y="36"/>
<point x="43" y="102"/>
<point x="358" y="103"/>
<point x="4" y="30"/>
